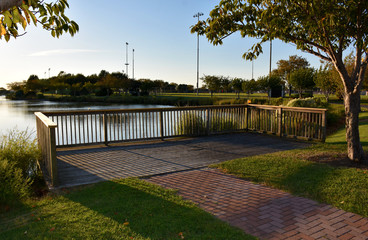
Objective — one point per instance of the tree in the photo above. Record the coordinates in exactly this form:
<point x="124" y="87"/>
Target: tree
<point x="237" y="85"/>
<point x="16" y="13"/>
<point x="250" y="86"/>
<point x="267" y="83"/>
<point x="326" y="82"/>
<point x="286" y="67"/>
<point x="323" y="28"/>
<point x="302" y="79"/>
<point x="33" y="84"/>
<point x="212" y="83"/>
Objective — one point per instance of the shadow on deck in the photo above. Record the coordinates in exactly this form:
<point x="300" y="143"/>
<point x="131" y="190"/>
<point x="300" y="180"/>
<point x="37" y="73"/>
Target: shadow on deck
<point x="78" y="166"/>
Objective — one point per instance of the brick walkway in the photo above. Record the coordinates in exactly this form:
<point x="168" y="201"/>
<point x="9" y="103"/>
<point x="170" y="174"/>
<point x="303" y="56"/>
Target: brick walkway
<point x="262" y="211"/>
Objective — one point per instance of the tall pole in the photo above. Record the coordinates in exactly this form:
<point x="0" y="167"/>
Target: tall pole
<point x="270" y="56"/>
<point x="126" y="59"/>
<point x="252" y="68"/>
<point x="133" y="64"/>
<point x="197" y="16"/>
<point x="49" y="72"/>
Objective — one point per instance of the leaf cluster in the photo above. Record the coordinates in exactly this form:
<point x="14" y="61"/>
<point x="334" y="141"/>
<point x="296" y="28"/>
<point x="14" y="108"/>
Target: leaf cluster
<point x="51" y="16"/>
<point x="324" y="28"/>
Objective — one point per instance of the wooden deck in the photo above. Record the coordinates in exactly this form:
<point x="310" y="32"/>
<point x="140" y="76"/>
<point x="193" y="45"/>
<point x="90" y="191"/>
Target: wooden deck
<point x="78" y="166"/>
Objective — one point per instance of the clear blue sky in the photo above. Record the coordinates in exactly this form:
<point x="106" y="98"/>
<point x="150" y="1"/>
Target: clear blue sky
<point x="159" y="31"/>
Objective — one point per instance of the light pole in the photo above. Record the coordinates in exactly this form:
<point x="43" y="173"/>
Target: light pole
<point x="49" y="72"/>
<point x="197" y="15"/>
<point x="270" y="56"/>
<point x="133" y="63"/>
<point x="126" y="58"/>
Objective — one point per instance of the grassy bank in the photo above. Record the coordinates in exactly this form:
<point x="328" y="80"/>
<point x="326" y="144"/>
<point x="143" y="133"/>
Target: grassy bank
<point x="321" y="172"/>
<point x="122" y="209"/>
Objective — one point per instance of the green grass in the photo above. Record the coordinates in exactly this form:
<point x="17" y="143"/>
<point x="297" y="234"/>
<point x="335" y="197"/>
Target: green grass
<point x="121" y="209"/>
<point x="292" y="171"/>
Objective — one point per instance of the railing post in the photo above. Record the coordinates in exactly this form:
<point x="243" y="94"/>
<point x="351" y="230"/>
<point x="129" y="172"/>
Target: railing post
<point x="208" y="112"/>
<point x="105" y="128"/>
<point x="324" y="126"/>
<point x="280" y="121"/>
<point x="161" y="125"/>
<point x="52" y="154"/>
<point x="246" y="117"/>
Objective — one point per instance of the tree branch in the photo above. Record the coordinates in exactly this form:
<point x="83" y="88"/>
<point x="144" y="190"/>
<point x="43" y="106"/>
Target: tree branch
<point x="8" y="4"/>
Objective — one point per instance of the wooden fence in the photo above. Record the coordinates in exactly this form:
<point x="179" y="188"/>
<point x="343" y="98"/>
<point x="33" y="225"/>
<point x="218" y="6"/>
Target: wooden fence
<point x="57" y="129"/>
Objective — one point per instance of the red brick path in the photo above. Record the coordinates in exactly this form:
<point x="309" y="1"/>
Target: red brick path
<point x="262" y="211"/>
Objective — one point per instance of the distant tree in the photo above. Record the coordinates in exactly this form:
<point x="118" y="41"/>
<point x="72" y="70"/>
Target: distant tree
<point x="51" y="16"/>
<point x="267" y="83"/>
<point x="16" y="86"/>
<point x="33" y="84"/>
<point x="250" y="86"/>
<point x="90" y="87"/>
<point x="225" y="83"/>
<point x="183" y="88"/>
<point x="172" y="87"/>
<point x="302" y="79"/>
<point x="237" y="85"/>
<point x="326" y="81"/>
<point x="212" y="83"/>
<point x="286" y="67"/>
<point x="160" y="85"/>
<point x="146" y="86"/>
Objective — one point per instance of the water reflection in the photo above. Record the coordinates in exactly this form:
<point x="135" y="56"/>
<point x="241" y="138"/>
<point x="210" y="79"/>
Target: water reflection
<point x="20" y="114"/>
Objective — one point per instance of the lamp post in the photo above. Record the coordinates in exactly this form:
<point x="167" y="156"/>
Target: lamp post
<point x="197" y="15"/>
<point x="49" y="72"/>
<point x="133" y="64"/>
<point x="126" y="59"/>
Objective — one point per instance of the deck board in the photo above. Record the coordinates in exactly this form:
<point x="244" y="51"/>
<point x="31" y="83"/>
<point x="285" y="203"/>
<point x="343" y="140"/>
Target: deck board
<point x="93" y="164"/>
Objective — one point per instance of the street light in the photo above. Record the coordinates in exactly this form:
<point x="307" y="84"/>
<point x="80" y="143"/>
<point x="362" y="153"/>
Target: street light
<point x="133" y="64"/>
<point x="197" y="15"/>
<point x="126" y="59"/>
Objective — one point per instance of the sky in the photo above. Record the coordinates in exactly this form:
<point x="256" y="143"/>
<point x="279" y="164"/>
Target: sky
<point x="158" y="31"/>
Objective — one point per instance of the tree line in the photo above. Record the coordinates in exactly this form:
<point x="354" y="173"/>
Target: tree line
<point x="293" y="75"/>
<point x="102" y="84"/>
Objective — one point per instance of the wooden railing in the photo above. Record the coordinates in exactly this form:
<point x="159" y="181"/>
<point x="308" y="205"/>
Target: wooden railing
<point x="46" y="142"/>
<point x="108" y="126"/>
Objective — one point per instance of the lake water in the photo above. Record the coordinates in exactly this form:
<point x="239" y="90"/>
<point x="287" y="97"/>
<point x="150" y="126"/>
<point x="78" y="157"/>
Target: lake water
<point x="20" y="114"/>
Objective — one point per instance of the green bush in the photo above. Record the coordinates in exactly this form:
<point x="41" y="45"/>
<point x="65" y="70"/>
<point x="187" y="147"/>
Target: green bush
<point x="191" y="124"/>
<point x="20" y="149"/>
<point x="307" y="102"/>
<point x="14" y="185"/>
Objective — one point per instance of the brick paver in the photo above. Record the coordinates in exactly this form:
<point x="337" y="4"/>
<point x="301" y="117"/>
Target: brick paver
<point x="262" y="211"/>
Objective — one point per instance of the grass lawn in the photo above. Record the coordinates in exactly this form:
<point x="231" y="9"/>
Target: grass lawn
<point x="301" y="172"/>
<point x="121" y="209"/>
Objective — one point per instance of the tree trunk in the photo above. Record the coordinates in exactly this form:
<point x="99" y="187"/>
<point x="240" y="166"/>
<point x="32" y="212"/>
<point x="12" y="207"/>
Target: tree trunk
<point x="352" y="108"/>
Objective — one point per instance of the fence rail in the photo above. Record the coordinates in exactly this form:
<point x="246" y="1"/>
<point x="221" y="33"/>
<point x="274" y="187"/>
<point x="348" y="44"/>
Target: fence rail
<point x="57" y="129"/>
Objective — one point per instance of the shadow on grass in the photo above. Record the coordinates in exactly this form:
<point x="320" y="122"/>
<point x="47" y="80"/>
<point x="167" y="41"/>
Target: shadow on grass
<point x="149" y="211"/>
<point x="123" y="209"/>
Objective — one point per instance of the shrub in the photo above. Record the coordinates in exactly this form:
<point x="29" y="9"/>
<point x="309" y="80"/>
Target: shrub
<point x="191" y="124"/>
<point x="307" y="102"/>
<point x="14" y="186"/>
<point x="21" y="151"/>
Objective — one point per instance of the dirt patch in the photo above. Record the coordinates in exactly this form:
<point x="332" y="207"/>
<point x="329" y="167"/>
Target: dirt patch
<point x="335" y="160"/>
